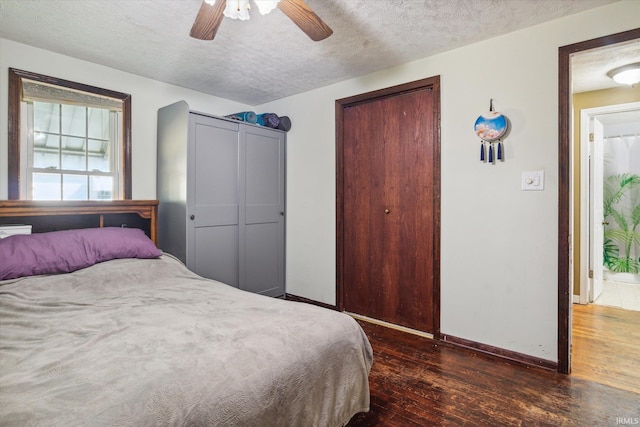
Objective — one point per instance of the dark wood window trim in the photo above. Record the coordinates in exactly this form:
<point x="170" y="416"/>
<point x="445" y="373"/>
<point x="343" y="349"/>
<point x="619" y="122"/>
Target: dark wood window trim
<point x="13" y="154"/>
<point x="565" y="291"/>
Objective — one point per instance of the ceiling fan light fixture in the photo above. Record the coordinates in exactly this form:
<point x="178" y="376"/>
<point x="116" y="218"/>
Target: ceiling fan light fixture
<point x="627" y="74"/>
<point x="239" y="9"/>
<point x="212" y="12"/>
<point x="266" y="6"/>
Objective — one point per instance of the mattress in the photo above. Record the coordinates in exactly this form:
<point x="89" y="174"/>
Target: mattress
<point x="135" y="342"/>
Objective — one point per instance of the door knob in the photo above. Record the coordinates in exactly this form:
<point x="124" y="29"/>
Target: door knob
<point x="192" y="217"/>
<point x="387" y="211"/>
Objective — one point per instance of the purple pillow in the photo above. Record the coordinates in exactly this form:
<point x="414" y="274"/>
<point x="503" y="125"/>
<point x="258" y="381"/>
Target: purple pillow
<point x="70" y="250"/>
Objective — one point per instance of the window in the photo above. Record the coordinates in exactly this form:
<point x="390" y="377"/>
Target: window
<point x="67" y="141"/>
<point x="71" y="151"/>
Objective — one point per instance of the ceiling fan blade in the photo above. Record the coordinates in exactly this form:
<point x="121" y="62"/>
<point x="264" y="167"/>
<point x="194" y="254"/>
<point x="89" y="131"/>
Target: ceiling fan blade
<point x="305" y="18"/>
<point x="208" y="20"/>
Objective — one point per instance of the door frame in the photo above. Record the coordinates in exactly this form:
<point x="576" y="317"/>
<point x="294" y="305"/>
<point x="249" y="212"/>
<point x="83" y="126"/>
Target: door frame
<point x="565" y="145"/>
<point x="593" y="130"/>
<point x="432" y="83"/>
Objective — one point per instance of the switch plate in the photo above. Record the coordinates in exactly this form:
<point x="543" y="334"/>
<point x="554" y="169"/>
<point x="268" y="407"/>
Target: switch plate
<point x="533" y="181"/>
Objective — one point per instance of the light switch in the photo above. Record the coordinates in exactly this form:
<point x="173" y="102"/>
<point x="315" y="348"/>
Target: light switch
<point x="533" y="181"/>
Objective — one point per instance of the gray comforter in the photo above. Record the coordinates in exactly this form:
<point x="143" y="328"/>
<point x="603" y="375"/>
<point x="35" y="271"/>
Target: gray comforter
<point x="146" y="342"/>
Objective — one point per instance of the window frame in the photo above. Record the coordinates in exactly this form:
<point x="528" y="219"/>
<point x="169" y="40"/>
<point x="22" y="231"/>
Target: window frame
<point x="13" y="155"/>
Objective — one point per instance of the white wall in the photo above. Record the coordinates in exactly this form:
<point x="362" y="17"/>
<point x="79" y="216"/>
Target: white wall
<point x="146" y="97"/>
<point x="498" y="243"/>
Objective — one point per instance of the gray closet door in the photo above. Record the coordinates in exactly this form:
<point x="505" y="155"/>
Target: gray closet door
<point x="213" y="200"/>
<point x="262" y="238"/>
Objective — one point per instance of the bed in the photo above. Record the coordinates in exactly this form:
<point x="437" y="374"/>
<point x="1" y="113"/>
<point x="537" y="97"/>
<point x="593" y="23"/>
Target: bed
<point x="139" y="340"/>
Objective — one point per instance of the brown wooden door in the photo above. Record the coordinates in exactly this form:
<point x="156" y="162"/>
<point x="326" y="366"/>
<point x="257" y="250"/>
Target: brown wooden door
<point x="390" y="208"/>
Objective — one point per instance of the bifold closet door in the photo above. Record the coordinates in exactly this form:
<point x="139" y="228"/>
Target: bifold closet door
<point x="388" y="220"/>
<point x="213" y="207"/>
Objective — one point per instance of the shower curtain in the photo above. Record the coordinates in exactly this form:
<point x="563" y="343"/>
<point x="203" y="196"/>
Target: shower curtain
<point x="622" y="204"/>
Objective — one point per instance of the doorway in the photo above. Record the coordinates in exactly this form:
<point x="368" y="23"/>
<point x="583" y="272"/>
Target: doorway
<point x="565" y="194"/>
<point x="610" y="183"/>
<point x="388" y="205"/>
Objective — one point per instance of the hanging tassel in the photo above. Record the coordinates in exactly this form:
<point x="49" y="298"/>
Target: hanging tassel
<point x="482" y="151"/>
<point x="490" y="153"/>
<point x="499" y="150"/>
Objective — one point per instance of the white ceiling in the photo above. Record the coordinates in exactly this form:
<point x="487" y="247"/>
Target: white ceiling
<point x="268" y="57"/>
<point x="589" y="68"/>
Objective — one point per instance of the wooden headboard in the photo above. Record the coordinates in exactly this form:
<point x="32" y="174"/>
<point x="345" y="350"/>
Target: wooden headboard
<point x="63" y="215"/>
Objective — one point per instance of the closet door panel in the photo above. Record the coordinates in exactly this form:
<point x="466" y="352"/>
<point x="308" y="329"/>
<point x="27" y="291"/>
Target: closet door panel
<point x="264" y="176"/>
<point x="364" y="209"/>
<point x="214" y="194"/>
<point x="216" y="184"/>
<point x="263" y="240"/>
<point x="408" y="194"/>
<point x="216" y="254"/>
<point x="263" y="259"/>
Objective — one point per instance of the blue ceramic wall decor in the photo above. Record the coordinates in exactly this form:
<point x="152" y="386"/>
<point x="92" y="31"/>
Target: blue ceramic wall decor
<point x="491" y="127"/>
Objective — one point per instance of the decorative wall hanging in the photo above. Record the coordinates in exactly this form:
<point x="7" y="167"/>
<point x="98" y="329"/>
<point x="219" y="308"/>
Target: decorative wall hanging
<point x="491" y="127"/>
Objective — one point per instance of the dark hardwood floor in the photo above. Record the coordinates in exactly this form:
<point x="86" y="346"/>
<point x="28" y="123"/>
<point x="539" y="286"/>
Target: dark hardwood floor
<point x="418" y="382"/>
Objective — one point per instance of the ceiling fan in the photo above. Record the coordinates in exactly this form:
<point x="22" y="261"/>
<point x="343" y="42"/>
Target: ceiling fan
<point x="211" y="13"/>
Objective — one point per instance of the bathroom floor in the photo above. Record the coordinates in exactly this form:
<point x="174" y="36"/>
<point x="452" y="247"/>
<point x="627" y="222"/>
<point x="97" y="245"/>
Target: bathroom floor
<point x="620" y="294"/>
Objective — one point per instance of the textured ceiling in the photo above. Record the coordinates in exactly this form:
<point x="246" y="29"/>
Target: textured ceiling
<point x="267" y="57"/>
<point x="589" y="68"/>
